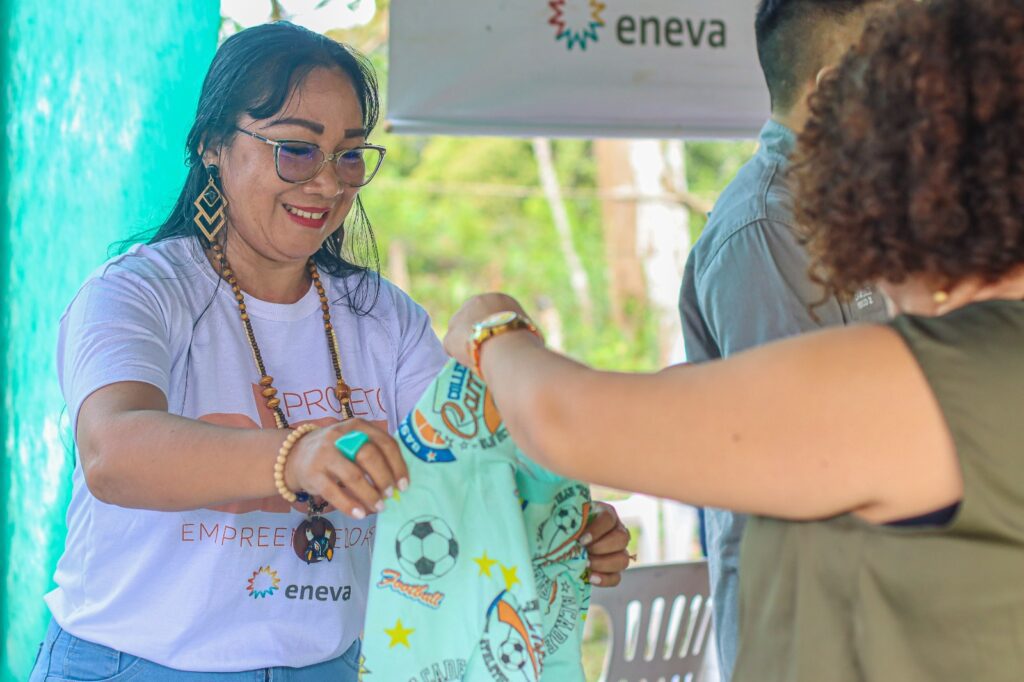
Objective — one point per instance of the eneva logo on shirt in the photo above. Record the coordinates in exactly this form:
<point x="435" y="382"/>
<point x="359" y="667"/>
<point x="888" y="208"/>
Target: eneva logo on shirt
<point x="265" y="582"/>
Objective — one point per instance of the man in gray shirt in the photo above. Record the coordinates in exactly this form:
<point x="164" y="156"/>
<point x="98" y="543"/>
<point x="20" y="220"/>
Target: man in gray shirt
<point x="746" y="281"/>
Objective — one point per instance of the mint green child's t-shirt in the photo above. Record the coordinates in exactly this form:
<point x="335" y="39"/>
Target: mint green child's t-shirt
<point x="477" y="569"/>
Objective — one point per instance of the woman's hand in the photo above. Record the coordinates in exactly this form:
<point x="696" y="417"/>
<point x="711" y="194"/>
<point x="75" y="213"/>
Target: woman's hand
<point x="357" y="488"/>
<point x="460" y="328"/>
<point x="606" y="538"/>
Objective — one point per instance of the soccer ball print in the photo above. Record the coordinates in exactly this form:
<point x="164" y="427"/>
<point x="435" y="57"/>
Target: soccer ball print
<point x="426" y="547"/>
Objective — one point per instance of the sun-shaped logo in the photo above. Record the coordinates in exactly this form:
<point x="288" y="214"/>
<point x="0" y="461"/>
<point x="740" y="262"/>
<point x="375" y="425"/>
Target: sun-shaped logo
<point x="576" y="30"/>
<point x="263" y="583"/>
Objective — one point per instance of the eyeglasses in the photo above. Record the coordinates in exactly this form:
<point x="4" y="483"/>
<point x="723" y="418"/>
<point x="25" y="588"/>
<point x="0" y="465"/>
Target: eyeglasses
<point x="298" y="162"/>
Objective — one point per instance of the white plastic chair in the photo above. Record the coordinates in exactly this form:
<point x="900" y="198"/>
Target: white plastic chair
<point x="660" y="623"/>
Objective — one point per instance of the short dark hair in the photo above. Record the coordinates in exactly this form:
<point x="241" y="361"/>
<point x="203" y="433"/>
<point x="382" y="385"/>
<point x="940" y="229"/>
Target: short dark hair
<point x="789" y="42"/>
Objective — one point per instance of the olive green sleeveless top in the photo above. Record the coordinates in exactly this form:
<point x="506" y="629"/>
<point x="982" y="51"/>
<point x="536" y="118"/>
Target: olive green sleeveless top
<point x="842" y="600"/>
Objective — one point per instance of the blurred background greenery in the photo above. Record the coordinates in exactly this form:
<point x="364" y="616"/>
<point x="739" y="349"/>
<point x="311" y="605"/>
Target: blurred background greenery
<point x="457" y="215"/>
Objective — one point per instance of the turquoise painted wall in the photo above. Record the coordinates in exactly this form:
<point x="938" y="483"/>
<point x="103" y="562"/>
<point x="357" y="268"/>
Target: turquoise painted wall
<point x="98" y="97"/>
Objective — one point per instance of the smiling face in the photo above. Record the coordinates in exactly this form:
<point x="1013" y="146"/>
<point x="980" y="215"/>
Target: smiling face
<point x="277" y="221"/>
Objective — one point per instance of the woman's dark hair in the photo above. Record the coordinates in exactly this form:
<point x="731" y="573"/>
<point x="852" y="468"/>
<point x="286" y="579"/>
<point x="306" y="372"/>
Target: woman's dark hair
<point x="254" y="72"/>
<point x="913" y="161"/>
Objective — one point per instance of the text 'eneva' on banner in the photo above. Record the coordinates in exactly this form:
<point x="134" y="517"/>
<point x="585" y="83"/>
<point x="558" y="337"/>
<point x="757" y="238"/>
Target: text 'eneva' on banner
<point x="592" y="68"/>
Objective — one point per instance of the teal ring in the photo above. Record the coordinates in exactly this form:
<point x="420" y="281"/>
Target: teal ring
<point x="350" y="443"/>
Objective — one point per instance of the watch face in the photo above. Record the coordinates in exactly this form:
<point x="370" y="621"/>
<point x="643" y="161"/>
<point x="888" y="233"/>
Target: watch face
<point x="499" y="319"/>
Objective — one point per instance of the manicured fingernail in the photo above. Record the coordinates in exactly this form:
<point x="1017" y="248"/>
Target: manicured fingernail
<point x="403" y="484"/>
<point x="586" y="539"/>
<point x="379" y="506"/>
<point x="388" y="492"/>
<point x="595" y="579"/>
<point x="358" y="513"/>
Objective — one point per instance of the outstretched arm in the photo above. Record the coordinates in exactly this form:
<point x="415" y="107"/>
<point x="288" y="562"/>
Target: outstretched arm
<point x="794" y="429"/>
<point x="135" y="454"/>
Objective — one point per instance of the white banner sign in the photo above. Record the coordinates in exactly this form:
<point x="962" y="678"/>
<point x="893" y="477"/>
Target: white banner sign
<point x="593" y="68"/>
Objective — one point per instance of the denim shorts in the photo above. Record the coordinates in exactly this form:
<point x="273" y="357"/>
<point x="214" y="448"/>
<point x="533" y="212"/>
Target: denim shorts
<point x="65" y="658"/>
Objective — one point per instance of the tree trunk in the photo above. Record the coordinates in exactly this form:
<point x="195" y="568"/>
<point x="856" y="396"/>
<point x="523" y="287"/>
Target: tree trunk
<point x="578" y="279"/>
<point x="398" y="265"/>
<point x="618" y="211"/>
<point x="662" y="234"/>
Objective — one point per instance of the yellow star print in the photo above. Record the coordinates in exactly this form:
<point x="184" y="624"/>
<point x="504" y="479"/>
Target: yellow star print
<point x="509" y="573"/>
<point x="485" y="563"/>
<point x="399" y="635"/>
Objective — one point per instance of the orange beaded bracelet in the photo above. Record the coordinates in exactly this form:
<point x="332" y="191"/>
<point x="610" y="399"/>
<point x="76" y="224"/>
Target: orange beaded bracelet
<point x="282" y="457"/>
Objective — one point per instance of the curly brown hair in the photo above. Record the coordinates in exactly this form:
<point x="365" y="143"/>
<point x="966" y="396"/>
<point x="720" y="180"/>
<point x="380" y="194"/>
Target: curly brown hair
<point x="912" y="163"/>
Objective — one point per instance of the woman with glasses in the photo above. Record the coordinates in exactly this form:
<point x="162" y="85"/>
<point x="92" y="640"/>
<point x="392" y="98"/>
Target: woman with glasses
<point x="232" y="385"/>
<point x="885" y="462"/>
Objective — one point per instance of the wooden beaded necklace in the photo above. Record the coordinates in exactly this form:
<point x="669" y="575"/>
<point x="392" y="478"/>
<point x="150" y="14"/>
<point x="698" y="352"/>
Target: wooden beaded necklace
<point x="314" y="538"/>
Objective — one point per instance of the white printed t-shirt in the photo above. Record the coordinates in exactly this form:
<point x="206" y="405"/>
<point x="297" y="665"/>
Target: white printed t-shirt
<point x="221" y="589"/>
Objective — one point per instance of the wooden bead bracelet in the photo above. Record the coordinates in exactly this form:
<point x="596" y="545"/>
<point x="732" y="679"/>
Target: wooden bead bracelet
<point x="282" y="457"/>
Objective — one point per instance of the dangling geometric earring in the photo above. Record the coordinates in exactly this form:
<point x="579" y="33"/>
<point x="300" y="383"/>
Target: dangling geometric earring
<point x="210" y="206"/>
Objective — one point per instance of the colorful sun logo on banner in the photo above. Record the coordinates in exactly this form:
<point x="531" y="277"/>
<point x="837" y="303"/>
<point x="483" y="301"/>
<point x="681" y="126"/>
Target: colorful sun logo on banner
<point x="576" y="34"/>
<point x="263" y="583"/>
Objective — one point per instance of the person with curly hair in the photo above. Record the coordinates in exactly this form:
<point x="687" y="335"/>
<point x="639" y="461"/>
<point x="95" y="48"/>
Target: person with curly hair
<point x="881" y="464"/>
<point x="746" y="280"/>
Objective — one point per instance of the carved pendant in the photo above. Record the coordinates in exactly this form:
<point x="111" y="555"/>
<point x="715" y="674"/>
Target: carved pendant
<point x="314" y="540"/>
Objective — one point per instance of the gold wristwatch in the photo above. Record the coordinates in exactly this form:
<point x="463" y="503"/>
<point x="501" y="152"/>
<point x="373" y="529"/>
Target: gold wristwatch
<point x="493" y="325"/>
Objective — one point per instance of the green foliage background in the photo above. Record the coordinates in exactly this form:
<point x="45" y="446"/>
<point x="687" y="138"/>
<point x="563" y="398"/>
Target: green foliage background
<point x="470" y="212"/>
